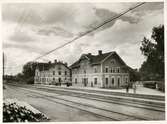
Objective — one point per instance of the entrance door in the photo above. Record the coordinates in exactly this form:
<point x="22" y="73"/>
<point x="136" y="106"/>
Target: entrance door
<point x="118" y="82"/>
<point x="112" y="81"/>
<point x="59" y="80"/>
<point x="85" y="81"/>
<point x="106" y="82"/>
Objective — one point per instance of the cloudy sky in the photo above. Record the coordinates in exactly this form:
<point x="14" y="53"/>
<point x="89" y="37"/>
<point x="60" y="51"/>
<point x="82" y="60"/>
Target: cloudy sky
<point x="30" y="30"/>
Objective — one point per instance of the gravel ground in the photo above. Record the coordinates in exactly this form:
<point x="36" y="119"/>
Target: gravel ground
<point x="54" y="111"/>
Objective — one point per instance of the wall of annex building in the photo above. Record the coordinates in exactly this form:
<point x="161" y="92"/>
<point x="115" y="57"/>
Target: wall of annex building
<point x="57" y="74"/>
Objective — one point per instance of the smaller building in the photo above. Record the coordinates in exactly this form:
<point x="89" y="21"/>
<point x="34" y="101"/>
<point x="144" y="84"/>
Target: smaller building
<point x="56" y="73"/>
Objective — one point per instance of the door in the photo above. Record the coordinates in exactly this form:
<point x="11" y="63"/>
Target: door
<point x="112" y="81"/>
<point x="85" y="81"/>
<point x="106" y="82"/>
<point x="118" y="82"/>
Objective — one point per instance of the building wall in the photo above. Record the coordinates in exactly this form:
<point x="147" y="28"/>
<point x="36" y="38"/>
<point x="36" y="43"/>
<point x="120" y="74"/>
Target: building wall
<point x="113" y="70"/>
<point x="57" y="74"/>
<point x="89" y="72"/>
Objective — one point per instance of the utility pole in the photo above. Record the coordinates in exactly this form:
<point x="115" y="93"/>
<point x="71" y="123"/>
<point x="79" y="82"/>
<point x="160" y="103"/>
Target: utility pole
<point x="3" y="65"/>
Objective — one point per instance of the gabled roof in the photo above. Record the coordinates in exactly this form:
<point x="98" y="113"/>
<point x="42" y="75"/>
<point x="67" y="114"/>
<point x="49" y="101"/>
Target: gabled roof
<point x="96" y="59"/>
<point x="43" y="66"/>
<point x="47" y="66"/>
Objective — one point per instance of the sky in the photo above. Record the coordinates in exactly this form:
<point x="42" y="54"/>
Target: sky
<point x="32" y="29"/>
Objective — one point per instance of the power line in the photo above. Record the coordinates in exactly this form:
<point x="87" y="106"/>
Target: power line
<point x="93" y="29"/>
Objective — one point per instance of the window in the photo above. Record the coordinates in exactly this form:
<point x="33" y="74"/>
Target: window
<point x="65" y="72"/>
<point x="59" y="72"/>
<point x="95" y="70"/>
<point x="112" y="61"/>
<point x="112" y="80"/>
<point x="118" y="81"/>
<point x="113" y="70"/>
<point x="53" y="79"/>
<point x="59" y="67"/>
<point x="118" y="70"/>
<point x="53" y="72"/>
<point x="106" y="81"/>
<point x="75" y="80"/>
<point x="126" y="79"/>
<point x="84" y="71"/>
<point x="95" y="80"/>
<point x="106" y="69"/>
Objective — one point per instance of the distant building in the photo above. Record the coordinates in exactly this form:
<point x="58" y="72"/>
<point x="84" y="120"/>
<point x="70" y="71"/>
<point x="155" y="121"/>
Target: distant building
<point x="102" y="70"/>
<point x="52" y="73"/>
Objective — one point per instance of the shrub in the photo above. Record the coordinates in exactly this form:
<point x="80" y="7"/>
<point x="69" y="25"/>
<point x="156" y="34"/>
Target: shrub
<point x="15" y="113"/>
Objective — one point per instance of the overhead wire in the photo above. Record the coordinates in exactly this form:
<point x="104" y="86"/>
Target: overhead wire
<point x="22" y="19"/>
<point x="89" y="31"/>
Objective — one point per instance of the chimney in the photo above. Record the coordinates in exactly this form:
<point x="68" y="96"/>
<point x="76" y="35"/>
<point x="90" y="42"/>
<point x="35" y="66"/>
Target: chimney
<point x="65" y="63"/>
<point x="49" y="62"/>
<point x="100" y="52"/>
<point x="89" y="54"/>
<point x="55" y="60"/>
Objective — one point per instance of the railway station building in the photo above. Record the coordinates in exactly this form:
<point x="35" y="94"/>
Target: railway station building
<point x="52" y="73"/>
<point x="106" y="70"/>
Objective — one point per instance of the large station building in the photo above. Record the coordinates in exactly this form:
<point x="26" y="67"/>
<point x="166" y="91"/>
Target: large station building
<point x="106" y="70"/>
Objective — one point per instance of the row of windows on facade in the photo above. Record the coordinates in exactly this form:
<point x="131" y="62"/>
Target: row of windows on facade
<point x="106" y="80"/>
<point x="53" y="73"/>
<point x="112" y="70"/>
<point x="48" y="80"/>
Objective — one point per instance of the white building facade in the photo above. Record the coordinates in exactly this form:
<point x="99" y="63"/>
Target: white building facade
<point x="106" y="70"/>
<point x="52" y="73"/>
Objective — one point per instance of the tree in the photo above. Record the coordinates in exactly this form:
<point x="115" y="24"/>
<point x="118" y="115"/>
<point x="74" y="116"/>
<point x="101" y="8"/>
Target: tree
<point x="29" y="72"/>
<point x="153" y="50"/>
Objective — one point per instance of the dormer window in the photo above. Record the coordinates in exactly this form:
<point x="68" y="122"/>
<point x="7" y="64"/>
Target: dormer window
<point x="59" y="67"/>
<point x="112" y="61"/>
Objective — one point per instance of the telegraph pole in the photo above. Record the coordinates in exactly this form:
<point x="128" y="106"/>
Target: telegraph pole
<point x="3" y="65"/>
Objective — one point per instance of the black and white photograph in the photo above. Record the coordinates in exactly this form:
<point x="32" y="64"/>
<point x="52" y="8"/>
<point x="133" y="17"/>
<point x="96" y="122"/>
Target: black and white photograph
<point x="83" y="61"/>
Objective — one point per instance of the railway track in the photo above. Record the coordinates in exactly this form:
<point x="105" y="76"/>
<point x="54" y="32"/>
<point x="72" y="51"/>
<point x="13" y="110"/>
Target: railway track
<point x="147" y="104"/>
<point x="156" y="105"/>
<point x="105" y="113"/>
<point x="113" y="115"/>
<point x="110" y="100"/>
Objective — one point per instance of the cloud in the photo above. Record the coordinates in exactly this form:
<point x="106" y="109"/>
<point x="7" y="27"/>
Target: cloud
<point x="105" y="15"/>
<point x="28" y="48"/>
<point x="57" y="31"/>
<point x="21" y="37"/>
<point x="148" y="7"/>
<point x="45" y="27"/>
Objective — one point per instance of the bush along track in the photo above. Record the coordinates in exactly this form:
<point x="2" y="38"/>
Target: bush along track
<point x="13" y="112"/>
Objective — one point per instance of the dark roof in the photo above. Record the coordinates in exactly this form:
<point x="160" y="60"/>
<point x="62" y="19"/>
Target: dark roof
<point x="94" y="59"/>
<point x="47" y="66"/>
